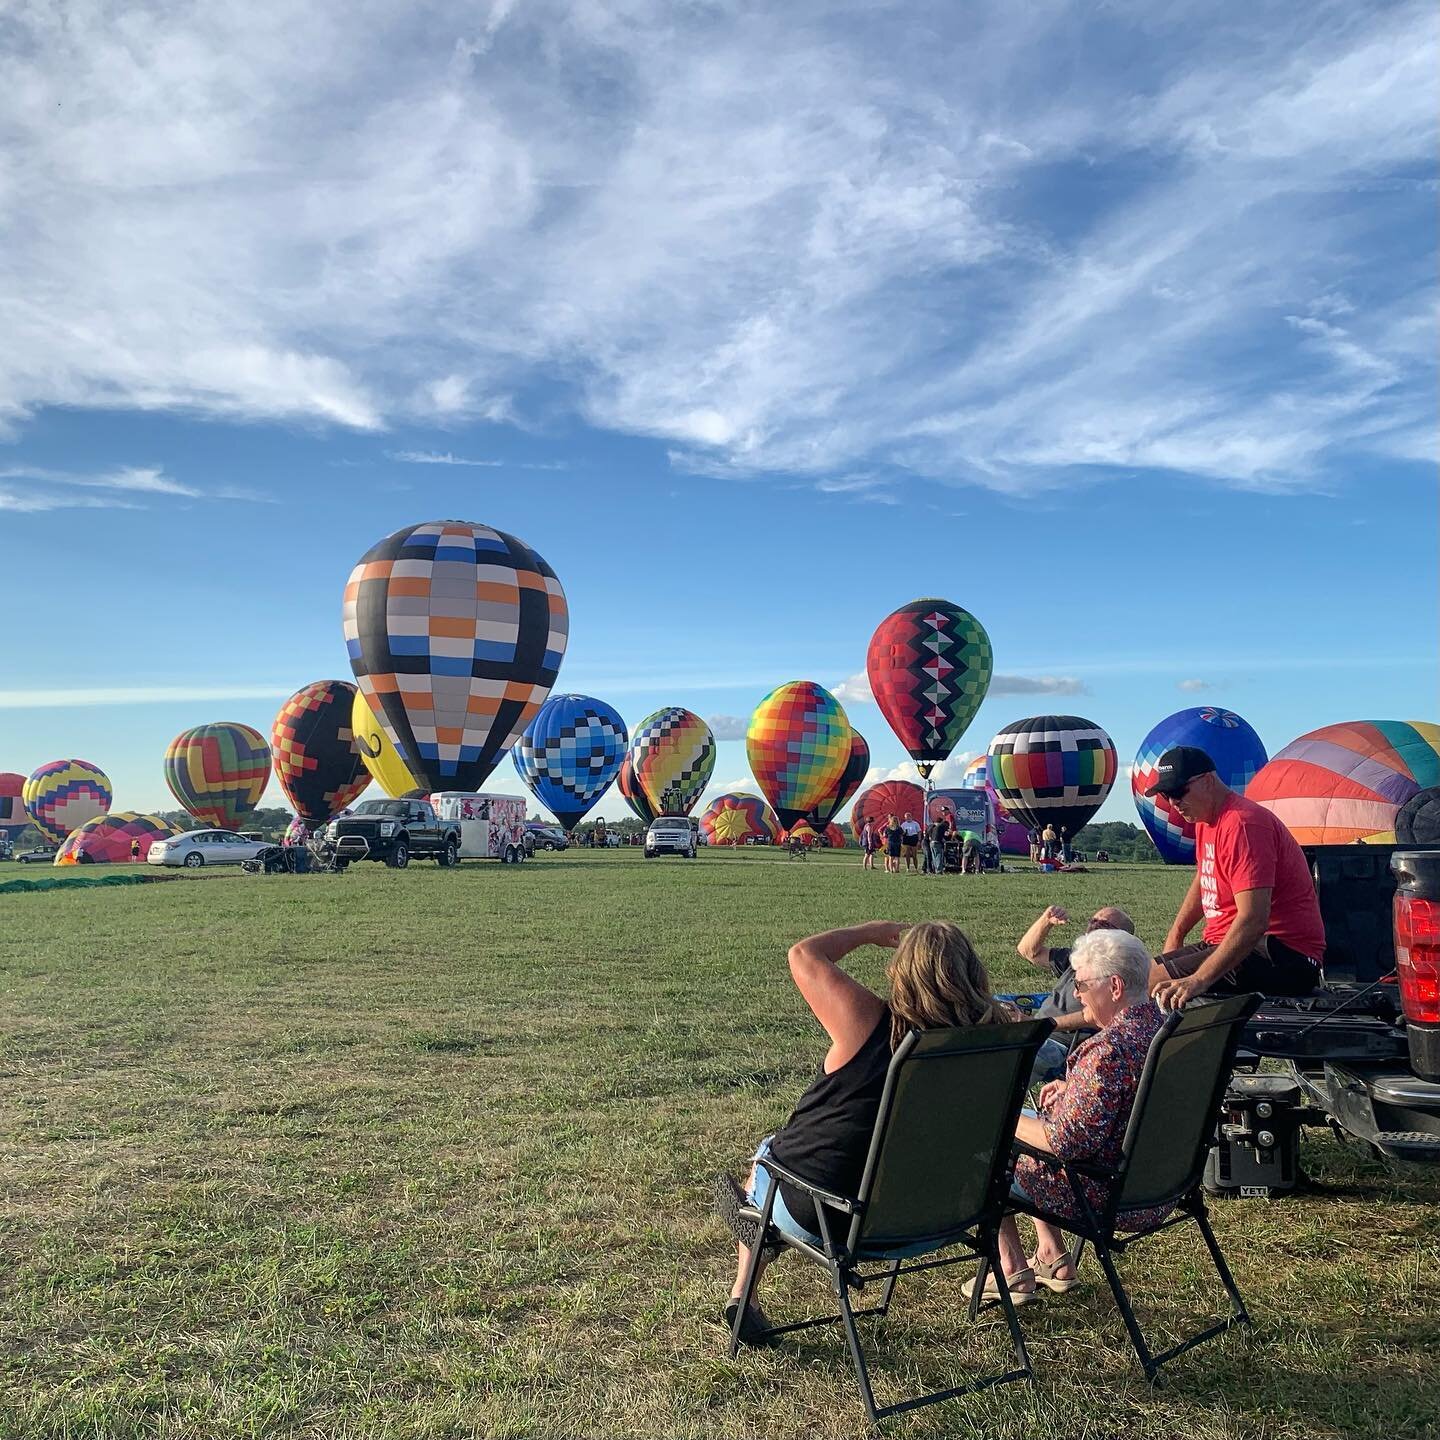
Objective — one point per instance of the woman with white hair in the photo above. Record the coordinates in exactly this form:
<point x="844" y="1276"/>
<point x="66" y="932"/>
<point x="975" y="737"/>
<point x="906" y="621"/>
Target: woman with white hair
<point x="1084" y="1116"/>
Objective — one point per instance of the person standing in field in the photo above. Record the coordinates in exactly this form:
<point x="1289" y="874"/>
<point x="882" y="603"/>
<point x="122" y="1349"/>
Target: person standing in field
<point x="910" y="842"/>
<point x="892" y="845"/>
<point x="135" y="851"/>
<point x="868" y="846"/>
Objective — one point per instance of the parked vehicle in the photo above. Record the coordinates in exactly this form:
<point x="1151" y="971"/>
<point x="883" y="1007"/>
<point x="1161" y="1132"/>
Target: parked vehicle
<point x="393" y="831"/>
<point x="43" y="855"/>
<point x="670" y="835"/>
<point x="197" y="848"/>
<point x="547" y="837"/>
<point x="492" y="827"/>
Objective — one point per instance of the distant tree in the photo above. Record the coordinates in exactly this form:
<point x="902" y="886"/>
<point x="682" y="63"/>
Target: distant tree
<point x="1121" y="840"/>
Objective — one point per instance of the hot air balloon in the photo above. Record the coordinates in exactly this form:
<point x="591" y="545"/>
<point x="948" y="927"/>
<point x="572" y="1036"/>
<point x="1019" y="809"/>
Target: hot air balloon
<point x="378" y="754"/>
<point x="317" y="761"/>
<point x="1348" y="782"/>
<point x="218" y="772"/>
<point x="1053" y="770"/>
<point x="890" y="797"/>
<point x="13" y="818"/>
<point x="107" y="838"/>
<point x="929" y="665"/>
<point x="1012" y="837"/>
<point x="1227" y="739"/>
<point x="455" y="633"/>
<point x="855" y="771"/>
<point x="631" y="792"/>
<point x="570" y="753"/>
<point x="734" y="818"/>
<point x="65" y="794"/>
<point x="672" y="757"/>
<point x="798" y="742"/>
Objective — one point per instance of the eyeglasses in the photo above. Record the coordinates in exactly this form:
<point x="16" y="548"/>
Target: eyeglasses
<point x="1082" y="985"/>
<point x="1173" y="795"/>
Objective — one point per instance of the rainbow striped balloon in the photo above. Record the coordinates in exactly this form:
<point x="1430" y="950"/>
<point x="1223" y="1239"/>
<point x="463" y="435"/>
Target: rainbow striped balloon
<point x="218" y="772"/>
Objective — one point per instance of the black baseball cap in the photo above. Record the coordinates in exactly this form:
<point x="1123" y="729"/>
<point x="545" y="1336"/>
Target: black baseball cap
<point x="1178" y="766"/>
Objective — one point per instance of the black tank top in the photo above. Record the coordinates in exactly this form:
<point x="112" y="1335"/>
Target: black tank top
<point x="827" y="1136"/>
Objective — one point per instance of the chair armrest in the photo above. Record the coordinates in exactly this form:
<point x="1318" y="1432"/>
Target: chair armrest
<point x="1052" y="1161"/>
<point x="843" y="1203"/>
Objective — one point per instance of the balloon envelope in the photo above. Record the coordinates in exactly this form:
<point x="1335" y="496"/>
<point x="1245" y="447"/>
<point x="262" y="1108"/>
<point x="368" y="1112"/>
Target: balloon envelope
<point x="890" y="797"/>
<point x="317" y="761"/>
<point x="455" y="633"/>
<point x="798" y="742"/>
<point x="1053" y="770"/>
<point x="856" y="768"/>
<point x="13" y="818"/>
<point x="218" y="772"/>
<point x="378" y="753"/>
<point x="64" y="794"/>
<point x="1227" y="739"/>
<point x="735" y="817"/>
<point x="929" y="664"/>
<point x="672" y="757"/>
<point x="107" y="838"/>
<point x="570" y="753"/>
<point x="1348" y="782"/>
<point x="631" y="792"/>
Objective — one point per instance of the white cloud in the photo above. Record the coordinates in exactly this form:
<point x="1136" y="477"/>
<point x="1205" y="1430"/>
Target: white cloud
<point x="127" y="486"/>
<point x="728" y="727"/>
<point x="432" y="457"/>
<point x="1193" y="686"/>
<point x="137" y="695"/>
<point x="1035" y="685"/>
<point x="855" y="690"/>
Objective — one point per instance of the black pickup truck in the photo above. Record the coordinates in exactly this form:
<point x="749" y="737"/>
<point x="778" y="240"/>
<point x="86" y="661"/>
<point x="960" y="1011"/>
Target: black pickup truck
<point x="394" y="831"/>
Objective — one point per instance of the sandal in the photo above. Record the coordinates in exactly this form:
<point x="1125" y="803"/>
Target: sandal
<point x="754" y="1329"/>
<point x="1045" y="1274"/>
<point x="991" y="1293"/>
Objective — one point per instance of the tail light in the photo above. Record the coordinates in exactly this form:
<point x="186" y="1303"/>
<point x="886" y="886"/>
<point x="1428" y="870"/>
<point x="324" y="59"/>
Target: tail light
<point x="1417" y="957"/>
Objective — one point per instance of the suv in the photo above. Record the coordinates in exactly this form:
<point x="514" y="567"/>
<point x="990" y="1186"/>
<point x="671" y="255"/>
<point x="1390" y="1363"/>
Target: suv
<point x="393" y="831"/>
<point x="670" y="835"/>
<point x="545" y="837"/>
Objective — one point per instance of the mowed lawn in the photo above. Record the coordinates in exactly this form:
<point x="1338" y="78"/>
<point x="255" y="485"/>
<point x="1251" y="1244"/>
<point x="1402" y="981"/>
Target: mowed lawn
<point x="429" y="1153"/>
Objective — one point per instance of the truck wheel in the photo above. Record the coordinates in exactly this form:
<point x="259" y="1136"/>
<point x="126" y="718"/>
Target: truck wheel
<point x="449" y="856"/>
<point x="399" y="856"/>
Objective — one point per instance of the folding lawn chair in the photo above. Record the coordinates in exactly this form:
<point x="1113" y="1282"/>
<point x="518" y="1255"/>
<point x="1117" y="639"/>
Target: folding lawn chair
<point x="1171" y="1129"/>
<point x="937" y="1177"/>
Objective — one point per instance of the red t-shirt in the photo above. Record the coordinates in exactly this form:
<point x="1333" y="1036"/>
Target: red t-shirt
<point x="1249" y="848"/>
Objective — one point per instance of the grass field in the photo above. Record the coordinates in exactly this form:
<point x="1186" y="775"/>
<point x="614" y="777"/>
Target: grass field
<point x="428" y="1154"/>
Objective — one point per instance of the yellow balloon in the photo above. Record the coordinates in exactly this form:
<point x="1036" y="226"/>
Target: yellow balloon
<point x="381" y="758"/>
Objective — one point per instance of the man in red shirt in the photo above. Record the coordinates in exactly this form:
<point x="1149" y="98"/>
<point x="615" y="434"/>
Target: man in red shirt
<point x="1252" y="887"/>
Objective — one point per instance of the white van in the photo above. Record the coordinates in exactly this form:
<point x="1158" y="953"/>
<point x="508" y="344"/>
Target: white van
<point x="492" y="827"/>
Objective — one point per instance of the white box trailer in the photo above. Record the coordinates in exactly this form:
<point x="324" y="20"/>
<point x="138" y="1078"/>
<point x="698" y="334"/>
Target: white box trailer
<point x="492" y="827"/>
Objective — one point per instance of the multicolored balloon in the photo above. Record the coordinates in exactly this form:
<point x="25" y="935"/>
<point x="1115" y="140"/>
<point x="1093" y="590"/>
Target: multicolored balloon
<point x="456" y="633"/>
<point x="218" y="772"/>
<point x="798" y="742"/>
<point x="318" y="763"/>
<point x="570" y="753"/>
<point x="672" y="757"/>
<point x="735" y="817"/>
<point x="857" y="767"/>
<point x="890" y="797"/>
<point x="1053" y="770"/>
<point x="1012" y="837"/>
<point x="378" y="753"/>
<point x="13" y="818"/>
<point x="631" y="792"/>
<point x="64" y="794"/>
<point x="1348" y="782"/>
<point x="1227" y="739"/>
<point x="107" y="838"/>
<point x="929" y="665"/>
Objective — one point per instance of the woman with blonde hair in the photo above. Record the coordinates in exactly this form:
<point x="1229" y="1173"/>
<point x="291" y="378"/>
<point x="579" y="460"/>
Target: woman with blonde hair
<point x="936" y="981"/>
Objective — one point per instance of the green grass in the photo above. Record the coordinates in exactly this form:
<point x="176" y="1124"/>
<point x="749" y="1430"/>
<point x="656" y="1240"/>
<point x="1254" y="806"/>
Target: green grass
<point x="427" y="1154"/>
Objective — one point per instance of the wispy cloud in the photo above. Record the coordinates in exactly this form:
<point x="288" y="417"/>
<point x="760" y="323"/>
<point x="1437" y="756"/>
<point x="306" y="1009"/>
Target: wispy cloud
<point x="1036" y="685"/>
<point x="1191" y="687"/>
<point x="431" y="457"/>
<point x="136" y="695"/>
<point x="728" y="727"/>
<point x="127" y="488"/>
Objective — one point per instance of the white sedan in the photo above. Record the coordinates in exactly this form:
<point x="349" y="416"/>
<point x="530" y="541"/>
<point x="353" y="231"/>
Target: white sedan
<point x="204" y="847"/>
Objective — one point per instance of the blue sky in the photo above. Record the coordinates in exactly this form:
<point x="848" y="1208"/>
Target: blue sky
<point x="1115" y="327"/>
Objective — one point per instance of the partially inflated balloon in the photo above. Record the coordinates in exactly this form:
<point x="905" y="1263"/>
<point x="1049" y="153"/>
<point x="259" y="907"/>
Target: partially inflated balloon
<point x="107" y="839"/>
<point x="13" y="818"/>
<point x="672" y="757"/>
<point x="734" y="818"/>
<point x="855" y="771"/>
<point x="570" y="753"/>
<point x="377" y="753"/>
<point x="929" y="665"/>
<point x="317" y="761"/>
<point x="890" y="797"/>
<point x="798" y="743"/>
<point x="1012" y="837"/>
<point x="631" y="792"/>
<point x="218" y="772"/>
<point x="65" y="794"/>
<point x="455" y="633"/>
<point x="1053" y="770"/>
<point x="1227" y="739"/>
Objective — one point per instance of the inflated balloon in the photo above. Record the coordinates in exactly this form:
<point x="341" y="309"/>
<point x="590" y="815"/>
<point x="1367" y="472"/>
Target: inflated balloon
<point x="1417" y="822"/>
<point x="570" y="753"/>
<point x="736" y="817"/>
<point x="672" y="757"/>
<point x="631" y="792"/>
<point x="1348" y="782"/>
<point x="218" y="772"/>
<point x="317" y="761"/>
<point x="107" y="838"/>
<point x="1053" y="770"/>
<point x="378" y="753"/>
<point x="834" y="836"/>
<point x="890" y="797"/>
<point x="65" y="794"/>
<point x="855" y="771"/>
<point x="13" y="818"/>
<point x="929" y="665"/>
<point x="1227" y="739"/>
<point x="798" y="743"/>
<point x="1012" y="837"/>
<point x="455" y="633"/>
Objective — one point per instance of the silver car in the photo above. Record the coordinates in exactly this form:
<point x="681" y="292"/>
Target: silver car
<point x="670" y="835"/>
<point x="204" y="847"/>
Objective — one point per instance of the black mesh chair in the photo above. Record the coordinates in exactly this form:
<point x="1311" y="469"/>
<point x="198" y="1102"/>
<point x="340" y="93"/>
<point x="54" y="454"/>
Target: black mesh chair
<point x="937" y="1177"/>
<point x="1171" y="1129"/>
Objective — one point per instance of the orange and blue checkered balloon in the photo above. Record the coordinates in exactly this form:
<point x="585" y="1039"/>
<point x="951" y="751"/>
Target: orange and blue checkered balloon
<point x="218" y="772"/>
<point x="64" y="794"/>
<point x="799" y="744"/>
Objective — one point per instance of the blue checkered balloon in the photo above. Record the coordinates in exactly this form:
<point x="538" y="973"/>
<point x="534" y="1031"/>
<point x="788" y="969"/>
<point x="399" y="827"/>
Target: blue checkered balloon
<point x="570" y="753"/>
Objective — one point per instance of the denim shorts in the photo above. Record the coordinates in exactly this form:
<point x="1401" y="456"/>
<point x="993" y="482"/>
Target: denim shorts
<point x="780" y="1217"/>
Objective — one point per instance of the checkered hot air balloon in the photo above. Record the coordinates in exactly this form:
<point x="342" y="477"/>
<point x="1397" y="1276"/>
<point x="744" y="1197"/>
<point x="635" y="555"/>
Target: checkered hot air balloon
<point x="856" y="768"/>
<point x="107" y="838"/>
<point x="631" y="792"/>
<point x="1227" y="739"/>
<point x="798" y="743"/>
<point x="735" y="817"/>
<point x="218" y="772"/>
<point x="317" y="758"/>
<point x="570" y="753"/>
<point x="455" y="633"/>
<point x="1053" y="770"/>
<point x="929" y="665"/>
<point x="64" y="794"/>
<point x="13" y="818"/>
<point x="672" y="756"/>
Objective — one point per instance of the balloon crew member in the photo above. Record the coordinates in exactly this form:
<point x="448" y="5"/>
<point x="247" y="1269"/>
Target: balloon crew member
<point x="135" y="851"/>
